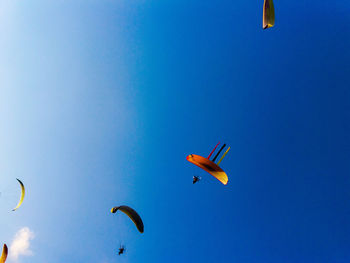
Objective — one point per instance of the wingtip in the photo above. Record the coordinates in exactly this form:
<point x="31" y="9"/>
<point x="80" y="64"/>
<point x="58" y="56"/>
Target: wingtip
<point x="268" y="26"/>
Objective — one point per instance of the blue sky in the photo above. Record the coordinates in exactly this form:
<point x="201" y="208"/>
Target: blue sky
<point x="101" y="102"/>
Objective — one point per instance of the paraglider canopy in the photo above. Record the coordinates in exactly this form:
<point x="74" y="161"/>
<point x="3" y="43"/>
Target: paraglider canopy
<point x="4" y="254"/>
<point x="22" y="195"/>
<point x="209" y="165"/>
<point x="268" y="14"/>
<point x="132" y="214"/>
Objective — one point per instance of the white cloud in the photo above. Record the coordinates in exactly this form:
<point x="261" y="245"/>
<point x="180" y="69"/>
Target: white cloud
<point x="20" y="245"/>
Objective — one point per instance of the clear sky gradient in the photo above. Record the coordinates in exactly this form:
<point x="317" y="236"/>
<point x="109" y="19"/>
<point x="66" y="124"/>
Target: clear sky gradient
<point x="101" y="102"/>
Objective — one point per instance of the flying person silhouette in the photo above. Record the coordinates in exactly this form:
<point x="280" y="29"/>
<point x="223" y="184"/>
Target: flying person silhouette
<point x="196" y="179"/>
<point x="121" y="250"/>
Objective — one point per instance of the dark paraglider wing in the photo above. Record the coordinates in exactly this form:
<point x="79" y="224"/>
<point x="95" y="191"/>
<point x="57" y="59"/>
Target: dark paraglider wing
<point x="132" y="214"/>
<point x="268" y="14"/>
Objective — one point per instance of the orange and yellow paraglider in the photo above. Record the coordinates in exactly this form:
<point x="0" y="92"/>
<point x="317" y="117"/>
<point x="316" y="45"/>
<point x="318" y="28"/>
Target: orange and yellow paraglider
<point x="4" y="254"/>
<point x="209" y="165"/>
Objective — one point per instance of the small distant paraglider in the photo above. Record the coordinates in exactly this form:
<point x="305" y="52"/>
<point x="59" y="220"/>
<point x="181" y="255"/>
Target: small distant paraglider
<point x="196" y="179"/>
<point x="4" y="254"/>
<point x="209" y="165"/>
<point x="22" y="196"/>
<point x="132" y="214"/>
<point x="268" y="14"/>
<point x="121" y="250"/>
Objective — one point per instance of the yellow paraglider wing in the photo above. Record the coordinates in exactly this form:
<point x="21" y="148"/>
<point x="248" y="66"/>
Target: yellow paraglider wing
<point x="268" y="14"/>
<point x="134" y="216"/>
<point x="22" y="195"/>
<point x="4" y="254"/>
<point x="209" y="167"/>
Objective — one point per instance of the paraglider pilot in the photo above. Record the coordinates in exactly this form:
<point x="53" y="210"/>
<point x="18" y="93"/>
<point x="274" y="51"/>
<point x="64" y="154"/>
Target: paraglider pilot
<point x="121" y="250"/>
<point x="195" y="179"/>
